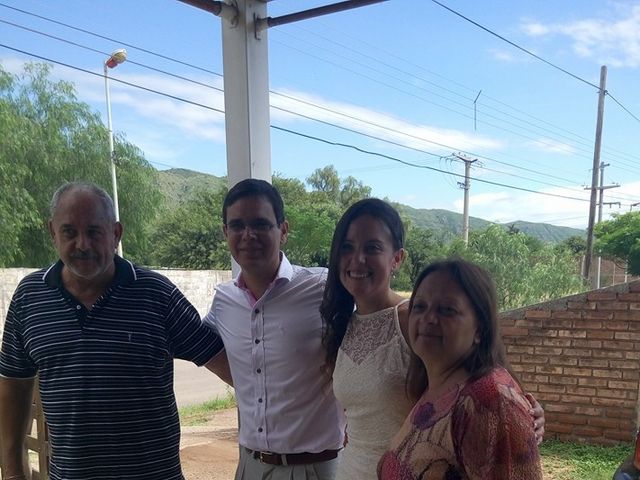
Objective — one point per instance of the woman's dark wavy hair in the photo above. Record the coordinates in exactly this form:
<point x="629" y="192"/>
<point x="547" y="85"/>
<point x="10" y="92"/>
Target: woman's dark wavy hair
<point x="337" y="303"/>
<point x="481" y="292"/>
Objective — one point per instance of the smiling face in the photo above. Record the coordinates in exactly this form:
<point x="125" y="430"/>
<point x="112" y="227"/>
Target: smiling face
<point x="84" y="236"/>
<point x="255" y="246"/>
<point x="367" y="261"/>
<point x="443" y="328"/>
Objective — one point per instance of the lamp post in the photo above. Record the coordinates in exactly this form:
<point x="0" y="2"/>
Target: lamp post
<point x="116" y="58"/>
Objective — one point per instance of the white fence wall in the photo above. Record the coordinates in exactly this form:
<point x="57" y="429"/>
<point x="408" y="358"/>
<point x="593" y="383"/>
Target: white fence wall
<point x="197" y="285"/>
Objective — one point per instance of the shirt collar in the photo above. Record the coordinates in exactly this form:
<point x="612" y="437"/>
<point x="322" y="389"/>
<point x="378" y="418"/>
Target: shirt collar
<point x="125" y="273"/>
<point x="283" y="275"/>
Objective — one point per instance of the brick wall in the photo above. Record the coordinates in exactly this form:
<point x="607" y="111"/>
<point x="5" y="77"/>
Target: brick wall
<point x="580" y="357"/>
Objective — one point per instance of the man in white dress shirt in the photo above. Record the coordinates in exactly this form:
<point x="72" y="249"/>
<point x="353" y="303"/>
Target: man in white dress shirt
<point x="291" y="426"/>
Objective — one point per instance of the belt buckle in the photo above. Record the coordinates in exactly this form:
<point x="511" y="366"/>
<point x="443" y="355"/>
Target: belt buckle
<point x="265" y="456"/>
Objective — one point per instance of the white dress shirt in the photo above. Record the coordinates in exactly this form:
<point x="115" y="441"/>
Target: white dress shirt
<point x="274" y="346"/>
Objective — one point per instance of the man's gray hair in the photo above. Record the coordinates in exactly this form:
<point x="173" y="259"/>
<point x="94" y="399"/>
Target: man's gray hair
<point x="105" y="199"/>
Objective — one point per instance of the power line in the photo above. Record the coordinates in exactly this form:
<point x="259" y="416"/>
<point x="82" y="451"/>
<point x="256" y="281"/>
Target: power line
<point x="532" y="54"/>
<point x="215" y="73"/>
<point x="449" y="147"/>
<point x="293" y="132"/>
<point x="115" y="79"/>
<point x="104" y="37"/>
<point x="133" y="62"/>
<point x="528" y="52"/>
<point x="426" y="167"/>
<point x="376" y="59"/>
<point x="294" y="113"/>
<point x="586" y="151"/>
<point x="622" y="106"/>
<point x="278" y="93"/>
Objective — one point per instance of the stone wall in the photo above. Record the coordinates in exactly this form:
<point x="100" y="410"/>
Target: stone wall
<point x="580" y="357"/>
<point x="197" y="285"/>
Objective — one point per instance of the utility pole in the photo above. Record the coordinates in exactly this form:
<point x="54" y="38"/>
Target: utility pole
<point x="594" y="177"/>
<point x="602" y="189"/>
<point x="466" y="186"/>
<point x="596" y="280"/>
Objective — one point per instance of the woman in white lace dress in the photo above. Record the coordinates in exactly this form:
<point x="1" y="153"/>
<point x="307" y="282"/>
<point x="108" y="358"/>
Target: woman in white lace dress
<point x="367" y="347"/>
<point x="366" y="327"/>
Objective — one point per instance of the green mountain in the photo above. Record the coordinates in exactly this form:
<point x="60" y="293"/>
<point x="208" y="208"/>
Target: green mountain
<point x="450" y="224"/>
<point x="178" y="183"/>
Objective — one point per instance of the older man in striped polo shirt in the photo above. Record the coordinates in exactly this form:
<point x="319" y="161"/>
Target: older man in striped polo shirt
<point x="101" y="334"/>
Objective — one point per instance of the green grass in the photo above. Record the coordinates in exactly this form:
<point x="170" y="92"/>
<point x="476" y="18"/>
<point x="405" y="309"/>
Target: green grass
<point x="198" y="414"/>
<point x="571" y="461"/>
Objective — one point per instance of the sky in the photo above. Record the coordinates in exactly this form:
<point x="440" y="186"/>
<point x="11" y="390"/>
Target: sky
<point x="392" y="93"/>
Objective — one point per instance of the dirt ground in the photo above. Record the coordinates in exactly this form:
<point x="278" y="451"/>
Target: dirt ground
<point x="210" y="451"/>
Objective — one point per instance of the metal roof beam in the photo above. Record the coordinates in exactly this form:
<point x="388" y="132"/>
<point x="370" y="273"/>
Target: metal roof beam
<point x="268" y="22"/>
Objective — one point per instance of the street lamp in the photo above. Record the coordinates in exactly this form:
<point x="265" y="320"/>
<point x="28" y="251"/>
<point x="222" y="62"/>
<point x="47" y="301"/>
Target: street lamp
<point x="116" y="58"/>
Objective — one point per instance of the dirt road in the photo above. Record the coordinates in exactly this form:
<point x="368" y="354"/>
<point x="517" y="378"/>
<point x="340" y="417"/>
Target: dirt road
<point x="194" y="385"/>
<point x="210" y="452"/>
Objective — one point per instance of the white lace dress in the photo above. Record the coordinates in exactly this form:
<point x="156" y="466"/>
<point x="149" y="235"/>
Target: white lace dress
<point x="369" y="382"/>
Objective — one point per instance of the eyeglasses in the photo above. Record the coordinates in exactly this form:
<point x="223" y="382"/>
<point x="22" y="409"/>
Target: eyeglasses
<point x="256" y="226"/>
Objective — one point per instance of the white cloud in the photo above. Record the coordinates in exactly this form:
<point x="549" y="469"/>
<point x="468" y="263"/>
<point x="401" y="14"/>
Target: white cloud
<point x="511" y="205"/>
<point x="612" y="41"/>
<point x="552" y="146"/>
<point x="535" y="29"/>
<point x="377" y="124"/>
<point x="502" y="55"/>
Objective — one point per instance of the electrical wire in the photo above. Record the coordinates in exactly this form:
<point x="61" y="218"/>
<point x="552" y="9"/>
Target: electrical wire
<point x="513" y="44"/>
<point x="606" y="150"/>
<point x="115" y="79"/>
<point x="220" y="111"/>
<point x="154" y="53"/>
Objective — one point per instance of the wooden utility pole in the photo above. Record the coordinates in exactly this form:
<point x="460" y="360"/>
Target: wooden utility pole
<point x="596" y="281"/>
<point x="595" y="175"/>
<point x="466" y="186"/>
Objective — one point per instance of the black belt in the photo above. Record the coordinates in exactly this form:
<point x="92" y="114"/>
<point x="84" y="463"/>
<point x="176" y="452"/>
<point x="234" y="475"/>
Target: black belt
<point x="292" y="458"/>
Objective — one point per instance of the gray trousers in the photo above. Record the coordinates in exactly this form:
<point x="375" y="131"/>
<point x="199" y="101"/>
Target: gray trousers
<point x="250" y="468"/>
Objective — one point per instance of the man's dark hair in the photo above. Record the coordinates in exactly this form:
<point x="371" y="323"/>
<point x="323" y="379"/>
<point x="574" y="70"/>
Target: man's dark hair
<point x="253" y="187"/>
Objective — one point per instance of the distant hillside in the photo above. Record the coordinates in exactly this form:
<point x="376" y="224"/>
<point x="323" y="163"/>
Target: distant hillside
<point x="444" y="222"/>
<point x="449" y="223"/>
<point x="178" y="183"/>
<point x="546" y="232"/>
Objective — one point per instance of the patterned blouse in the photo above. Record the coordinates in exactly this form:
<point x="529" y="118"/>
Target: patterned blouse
<point x="478" y="430"/>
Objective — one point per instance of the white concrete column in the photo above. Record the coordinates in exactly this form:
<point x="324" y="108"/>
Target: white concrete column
<point x="246" y="94"/>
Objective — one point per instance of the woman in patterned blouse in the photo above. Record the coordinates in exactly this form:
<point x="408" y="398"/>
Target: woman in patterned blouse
<point x="472" y="420"/>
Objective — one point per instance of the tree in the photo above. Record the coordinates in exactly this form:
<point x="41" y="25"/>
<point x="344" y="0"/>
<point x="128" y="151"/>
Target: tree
<point x="423" y="247"/>
<point x="576" y="245"/>
<point x="311" y="226"/>
<point x="327" y="186"/>
<point x="190" y="236"/>
<point x="353" y="190"/>
<point x="49" y="137"/>
<point x="523" y="275"/>
<point x="326" y="181"/>
<point x="620" y="238"/>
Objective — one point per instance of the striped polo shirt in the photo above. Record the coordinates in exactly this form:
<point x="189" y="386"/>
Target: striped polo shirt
<point x="106" y="374"/>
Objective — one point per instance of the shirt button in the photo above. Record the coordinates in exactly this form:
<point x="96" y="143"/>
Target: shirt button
<point x="257" y="310"/>
<point x="259" y="400"/>
<point x="78" y="307"/>
<point x="257" y="340"/>
<point x="259" y="370"/>
<point x="260" y="429"/>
